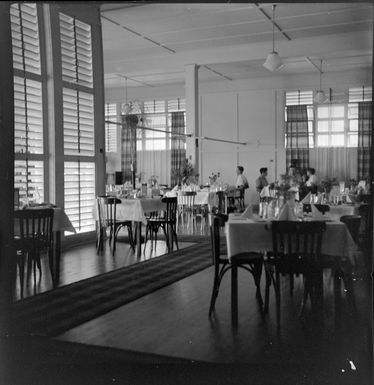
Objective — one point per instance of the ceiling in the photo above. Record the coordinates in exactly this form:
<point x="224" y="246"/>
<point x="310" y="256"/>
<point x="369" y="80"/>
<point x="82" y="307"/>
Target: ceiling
<point x="150" y="43"/>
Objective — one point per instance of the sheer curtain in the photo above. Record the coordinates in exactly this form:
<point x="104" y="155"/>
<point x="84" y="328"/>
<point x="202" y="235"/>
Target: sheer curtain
<point x="334" y="162"/>
<point x="178" y="143"/>
<point x="364" y="139"/>
<point x="154" y="162"/>
<point x="297" y="136"/>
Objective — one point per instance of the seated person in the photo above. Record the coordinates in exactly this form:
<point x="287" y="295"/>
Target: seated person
<point x="294" y="175"/>
<point x="312" y="178"/>
<point x="241" y="181"/>
<point x="261" y="181"/>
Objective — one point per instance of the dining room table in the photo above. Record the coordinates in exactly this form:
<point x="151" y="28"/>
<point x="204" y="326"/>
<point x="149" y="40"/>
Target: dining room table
<point x="136" y="210"/>
<point x="61" y="223"/>
<point x="254" y="234"/>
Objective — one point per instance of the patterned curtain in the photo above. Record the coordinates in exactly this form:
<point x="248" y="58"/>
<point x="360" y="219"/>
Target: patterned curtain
<point x="178" y="144"/>
<point x="128" y="148"/>
<point x="364" y="139"/>
<point x="297" y="136"/>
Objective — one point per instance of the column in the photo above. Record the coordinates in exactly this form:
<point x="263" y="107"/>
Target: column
<point x="192" y="112"/>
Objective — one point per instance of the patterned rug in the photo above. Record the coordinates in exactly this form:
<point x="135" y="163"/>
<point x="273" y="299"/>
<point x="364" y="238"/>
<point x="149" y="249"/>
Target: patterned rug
<point x="53" y="312"/>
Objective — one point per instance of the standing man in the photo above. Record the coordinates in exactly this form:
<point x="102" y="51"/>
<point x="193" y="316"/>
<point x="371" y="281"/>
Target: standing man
<point x="261" y="181"/>
<point x="241" y="181"/>
<point x="241" y="185"/>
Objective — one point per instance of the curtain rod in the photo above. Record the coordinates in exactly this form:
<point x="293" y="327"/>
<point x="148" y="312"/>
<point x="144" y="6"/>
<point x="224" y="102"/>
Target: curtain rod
<point x="220" y="140"/>
<point x="150" y="129"/>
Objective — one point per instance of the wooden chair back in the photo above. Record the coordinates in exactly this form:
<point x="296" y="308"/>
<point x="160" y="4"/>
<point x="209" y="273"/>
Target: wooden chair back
<point x="35" y="228"/>
<point x="297" y="244"/>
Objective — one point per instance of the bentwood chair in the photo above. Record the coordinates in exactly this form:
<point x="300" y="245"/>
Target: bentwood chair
<point x="252" y="262"/>
<point x="296" y="251"/>
<point x="108" y="209"/>
<point x="166" y="220"/>
<point x="186" y="205"/>
<point x="34" y="238"/>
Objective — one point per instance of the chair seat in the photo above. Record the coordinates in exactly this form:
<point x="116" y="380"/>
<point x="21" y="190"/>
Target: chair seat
<point x="246" y="257"/>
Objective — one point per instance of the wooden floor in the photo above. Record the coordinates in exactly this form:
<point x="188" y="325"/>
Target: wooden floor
<point x="174" y="322"/>
<point x="83" y="262"/>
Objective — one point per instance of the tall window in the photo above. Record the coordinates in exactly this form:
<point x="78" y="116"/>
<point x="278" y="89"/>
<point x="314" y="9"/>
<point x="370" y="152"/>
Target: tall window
<point x="157" y="114"/>
<point x="78" y="122"/>
<point x="299" y="98"/>
<point x="28" y="102"/>
<point x="331" y="125"/>
<point x="154" y="147"/>
<point x="111" y="129"/>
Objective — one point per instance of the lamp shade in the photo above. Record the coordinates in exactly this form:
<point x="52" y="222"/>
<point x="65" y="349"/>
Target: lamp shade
<point x="320" y="97"/>
<point x="273" y="61"/>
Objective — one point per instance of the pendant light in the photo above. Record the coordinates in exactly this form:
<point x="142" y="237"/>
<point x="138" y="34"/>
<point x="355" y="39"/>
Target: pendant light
<point x="273" y="61"/>
<point x="320" y="96"/>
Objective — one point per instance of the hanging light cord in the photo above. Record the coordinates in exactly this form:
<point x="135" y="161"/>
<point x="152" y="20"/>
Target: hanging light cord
<point x="125" y="90"/>
<point x="320" y="77"/>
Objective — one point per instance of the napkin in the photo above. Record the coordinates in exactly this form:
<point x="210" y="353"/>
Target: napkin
<point x="319" y="199"/>
<point x="265" y="192"/>
<point x="348" y="199"/>
<point x="248" y="212"/>
<point x="316" y="213"/>
<point x="307" y="198"/>
<point x="283" y="213"/>
<point x="291" y="214"/>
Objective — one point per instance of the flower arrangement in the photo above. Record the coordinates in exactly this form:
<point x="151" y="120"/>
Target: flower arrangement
<point x="213" y="178"/>
<point x="186" y="173"/>
<point x="153" y="181"/>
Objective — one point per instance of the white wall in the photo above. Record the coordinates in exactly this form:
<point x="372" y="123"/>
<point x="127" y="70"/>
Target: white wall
<point x="252" y="117"/>
<point x="247" y="111"/>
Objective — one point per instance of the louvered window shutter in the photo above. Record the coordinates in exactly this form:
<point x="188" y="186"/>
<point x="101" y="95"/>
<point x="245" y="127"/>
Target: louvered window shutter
<point x="78" y="122"/>
<point x="28" y="102"/>
<point x="111" y="129"/>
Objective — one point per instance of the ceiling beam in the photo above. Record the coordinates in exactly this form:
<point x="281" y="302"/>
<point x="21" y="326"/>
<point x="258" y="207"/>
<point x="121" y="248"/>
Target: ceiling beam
<point x="216" y="72"/>
<point x="309" y="60"/>
<point x="272" y="21"/>
<point x="316" y="46"/>
<point x="138" y="34"/>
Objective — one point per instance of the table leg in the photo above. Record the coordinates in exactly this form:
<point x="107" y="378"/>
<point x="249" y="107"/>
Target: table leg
<point x="57" y="257"/>
<point x="170" y="237"/>
<point x="234" y="293"/>
<point x="138" y="238"/>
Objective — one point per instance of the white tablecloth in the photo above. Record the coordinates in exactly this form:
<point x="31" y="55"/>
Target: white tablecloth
<point x="337" y="211"/>
<point x="245" y="235"/>
<point x="209" y="198"/>
<point x="135" y="209"/>
<point x="61" y="221"/>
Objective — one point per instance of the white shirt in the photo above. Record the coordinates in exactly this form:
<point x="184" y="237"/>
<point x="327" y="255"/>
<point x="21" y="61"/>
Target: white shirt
<point x="241" y="181"/>
<point x="312" y="181"/>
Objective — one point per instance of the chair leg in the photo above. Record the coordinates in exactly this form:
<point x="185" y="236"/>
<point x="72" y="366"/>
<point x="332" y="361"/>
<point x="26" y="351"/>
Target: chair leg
<point x="174" y="236"/>
<point x="277" y="297"/>
<point x="168" y="246"/>
<point x="257" y="272"/>
<point x="156" y="230"/>
<point x="21" y="269"/>
<point x="146" y="238"/>
<point x="267" y="289"/>
<point x="131" y="239"/>
<point x="214" y="292"/>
